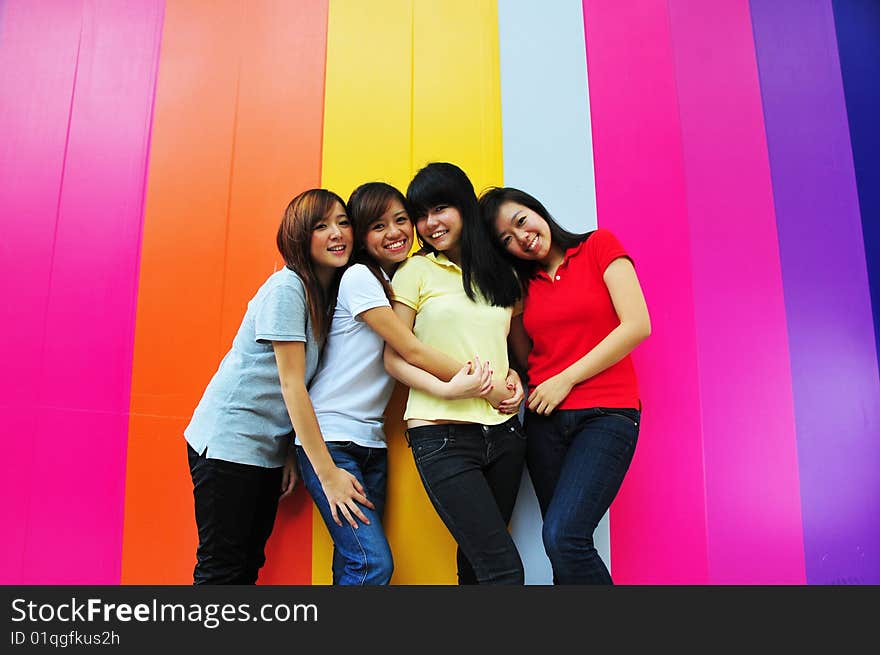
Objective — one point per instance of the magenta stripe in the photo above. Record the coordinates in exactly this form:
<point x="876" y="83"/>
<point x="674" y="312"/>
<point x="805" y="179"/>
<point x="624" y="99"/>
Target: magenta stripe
<point x="658" y="522"/>
<point x="77" y="481"/>
<point x="38" y="51"/>
<point x="752" y="496"/>
<point x="833" y="353"/>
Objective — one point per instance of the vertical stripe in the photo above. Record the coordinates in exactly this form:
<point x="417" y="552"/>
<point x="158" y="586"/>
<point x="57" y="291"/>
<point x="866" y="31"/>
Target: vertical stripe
<point x="387" y="115"/>
<point x="456" y="117"/>
<point x="456" y="91"/>
<point x="74" y="522"/>
<point x="277" y="155"/>
<point x="240" y="93"/>
<point x="38" y="50"/>
<point x="831" y="337"/>
<point x="548" y="152"/>
<point x="745" y="379"/>
<point x="368" y="94"/>
<point x="858" y="40"/>
<point x="178" y="315"/>
<point x="658" y="521"/>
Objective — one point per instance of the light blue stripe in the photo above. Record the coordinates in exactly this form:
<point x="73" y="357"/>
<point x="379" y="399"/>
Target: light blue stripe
<point x="548" y="146"/>
<point x="548" y="152"/>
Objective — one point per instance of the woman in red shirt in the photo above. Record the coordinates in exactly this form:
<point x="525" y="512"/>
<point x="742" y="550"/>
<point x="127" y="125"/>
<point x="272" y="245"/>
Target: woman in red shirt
<point x="583" y="314"/>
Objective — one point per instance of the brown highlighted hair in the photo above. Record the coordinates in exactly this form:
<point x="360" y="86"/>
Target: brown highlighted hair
<point x="366" y="204"/>
<point x="294" y="243"/>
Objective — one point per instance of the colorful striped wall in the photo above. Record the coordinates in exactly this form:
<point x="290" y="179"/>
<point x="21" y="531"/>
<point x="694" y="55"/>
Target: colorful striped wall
<point x="147" y="149"/>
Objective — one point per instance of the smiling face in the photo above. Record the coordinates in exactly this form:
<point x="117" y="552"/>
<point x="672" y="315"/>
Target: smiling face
<point x="522" y="232"/>
<point x="389" y="237"/>
<point x="440" y="228"/>
<point x="332" y="238"/>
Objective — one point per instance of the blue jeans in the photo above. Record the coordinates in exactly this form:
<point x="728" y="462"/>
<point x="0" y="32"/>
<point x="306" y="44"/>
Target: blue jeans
<point x="472" y="473"/>
<point x="362" y="556"/>
<point x="577" y="460"/>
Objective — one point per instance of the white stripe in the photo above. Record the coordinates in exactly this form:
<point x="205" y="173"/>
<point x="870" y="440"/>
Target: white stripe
<point x="548" y="152"/>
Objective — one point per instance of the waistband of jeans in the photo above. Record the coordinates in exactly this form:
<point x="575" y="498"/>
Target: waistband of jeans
<point x="474" y="430"/>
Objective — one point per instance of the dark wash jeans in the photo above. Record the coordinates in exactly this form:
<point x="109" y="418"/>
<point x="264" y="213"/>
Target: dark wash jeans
<point x="362" y="556"/>
<point x="577" y="460"/>
<point x="235" y="512"/>
<point x="472" y="473"/>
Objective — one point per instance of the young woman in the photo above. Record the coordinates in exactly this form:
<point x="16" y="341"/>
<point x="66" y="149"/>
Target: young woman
<point x="583" y="314"/>
<point x="458" y="297"/>
<point x="351" y="389"/>
<point x="238" y="441"/>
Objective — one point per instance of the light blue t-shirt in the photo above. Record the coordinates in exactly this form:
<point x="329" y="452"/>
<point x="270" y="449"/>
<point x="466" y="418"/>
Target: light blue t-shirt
<point x="351" y="388"/>
<point x="242" y="416"/>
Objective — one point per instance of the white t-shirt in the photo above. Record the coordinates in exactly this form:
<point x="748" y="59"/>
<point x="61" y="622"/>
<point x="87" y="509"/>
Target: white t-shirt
<point x="351" y="388"/>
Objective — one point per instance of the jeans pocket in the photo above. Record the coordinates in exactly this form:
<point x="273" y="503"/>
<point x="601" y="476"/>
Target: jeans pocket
<point x="341" y="445"/>
<point x="518" y="431"/>
<point x="426" y="449"/>
<point x="631" y="416"/>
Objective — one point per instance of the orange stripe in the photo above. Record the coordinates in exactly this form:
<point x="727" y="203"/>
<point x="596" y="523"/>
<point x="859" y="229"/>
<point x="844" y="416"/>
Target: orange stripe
<point x="236" y="134"/>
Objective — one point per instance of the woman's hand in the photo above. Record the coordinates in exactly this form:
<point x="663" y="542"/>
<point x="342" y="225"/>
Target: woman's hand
<point x="550" y="393"/>
<point x="514" y="385"/>
<point x="473" y="380"/>
<point x="289" y="475"/>
<point x="344" y="492"/>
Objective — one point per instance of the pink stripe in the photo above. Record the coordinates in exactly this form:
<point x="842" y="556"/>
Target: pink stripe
<point x="752" y="491"/>
<point x="658" y="521"/>
<point x="76" y="499"/>
<point x="38" y="50"/>
<point x="77" y="481"/>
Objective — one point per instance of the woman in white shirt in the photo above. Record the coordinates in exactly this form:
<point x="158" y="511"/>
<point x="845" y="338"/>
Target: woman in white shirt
<point x="351" y="388"/>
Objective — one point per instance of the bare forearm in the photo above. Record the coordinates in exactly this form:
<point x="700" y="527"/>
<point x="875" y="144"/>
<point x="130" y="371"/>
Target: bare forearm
<point x="305" y="425"/>
<point x="438" y="364"/>
<point x="412" y="376"/>
<point x="620" y="342"/>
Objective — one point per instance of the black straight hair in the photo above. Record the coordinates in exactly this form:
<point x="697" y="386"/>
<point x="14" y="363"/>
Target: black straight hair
<point x="490" y="205"/>
<point x="483" y="268"/>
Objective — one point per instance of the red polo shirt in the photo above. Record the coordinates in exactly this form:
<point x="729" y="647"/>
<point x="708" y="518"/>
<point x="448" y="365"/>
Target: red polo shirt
<point x="567" y="316"/>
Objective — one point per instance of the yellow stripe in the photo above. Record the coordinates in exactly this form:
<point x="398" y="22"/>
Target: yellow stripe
<point x="457" y="88"/>
<point x="409" y="82"/>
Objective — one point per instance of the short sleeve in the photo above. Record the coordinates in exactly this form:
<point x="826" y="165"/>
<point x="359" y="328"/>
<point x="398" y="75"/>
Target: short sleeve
<point x="407" y="282"/>
<point x="360" y="291"/>
<point x="282" y="314"/>
<point x="606" y="248"/>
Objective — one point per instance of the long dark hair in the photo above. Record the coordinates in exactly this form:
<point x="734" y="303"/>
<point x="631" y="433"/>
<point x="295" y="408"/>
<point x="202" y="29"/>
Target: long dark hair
<point x="490" y="204"/>
<point x="482" y="266"/>
<point x="366" y="204"/>
<point x="294" y="243"/>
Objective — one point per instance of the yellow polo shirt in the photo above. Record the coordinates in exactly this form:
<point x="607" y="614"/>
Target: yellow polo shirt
<point x="448" y="320"/>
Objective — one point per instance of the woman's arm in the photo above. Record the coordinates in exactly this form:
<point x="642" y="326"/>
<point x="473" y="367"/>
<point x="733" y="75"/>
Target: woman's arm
<point x="471" y="380"/>
<point x="635" y="326"/>
<point x="400" y="337"/>
<point x="518" y="345"/>
<point x="342" y="489"/>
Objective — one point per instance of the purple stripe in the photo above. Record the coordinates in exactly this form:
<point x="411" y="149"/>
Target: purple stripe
<point x="833" y="358"/>
<point x="742" y="362"/>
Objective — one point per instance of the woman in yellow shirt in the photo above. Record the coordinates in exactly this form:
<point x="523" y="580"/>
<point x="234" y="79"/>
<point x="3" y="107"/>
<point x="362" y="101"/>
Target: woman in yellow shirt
<point x="458" y="296"/>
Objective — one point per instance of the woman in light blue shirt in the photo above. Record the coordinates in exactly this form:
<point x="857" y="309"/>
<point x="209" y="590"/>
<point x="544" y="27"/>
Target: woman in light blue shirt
<point x="239" y="438"/>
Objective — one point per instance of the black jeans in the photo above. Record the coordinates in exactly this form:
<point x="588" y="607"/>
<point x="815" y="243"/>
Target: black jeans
<point x="472" y="473"/>
<point x="577" y="460"/>
<point x="235" y="512"/>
